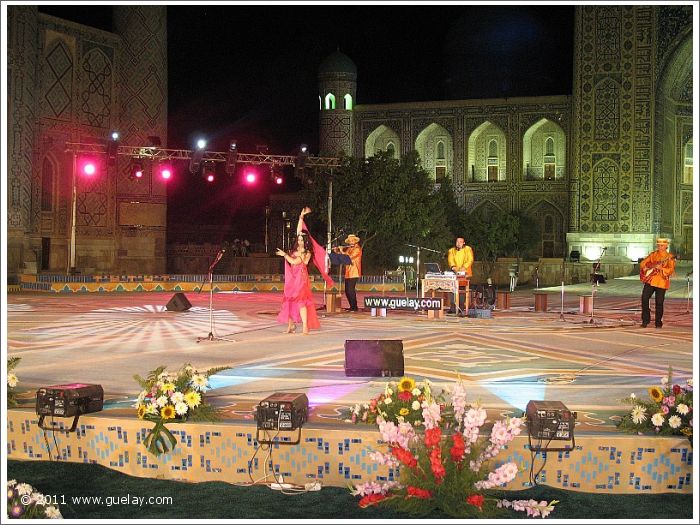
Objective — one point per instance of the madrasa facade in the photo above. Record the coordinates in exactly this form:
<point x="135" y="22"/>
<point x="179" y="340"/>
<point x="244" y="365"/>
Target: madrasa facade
<point x="610" y="165"/>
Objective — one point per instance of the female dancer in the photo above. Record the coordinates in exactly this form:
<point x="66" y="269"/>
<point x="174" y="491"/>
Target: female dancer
<point x="298" y="304"/>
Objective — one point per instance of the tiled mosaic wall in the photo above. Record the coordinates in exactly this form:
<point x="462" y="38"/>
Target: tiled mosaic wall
<point x="339" y="456"/>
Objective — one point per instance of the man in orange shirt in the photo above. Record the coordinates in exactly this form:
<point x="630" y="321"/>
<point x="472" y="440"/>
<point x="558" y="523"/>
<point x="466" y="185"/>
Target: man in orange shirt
<point x="353" y="271"/>
<point x="655" y="272"/>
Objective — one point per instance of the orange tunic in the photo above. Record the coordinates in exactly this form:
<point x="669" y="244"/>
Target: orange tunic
<point x="354" y="269"/>
<point x="662" y="277"/>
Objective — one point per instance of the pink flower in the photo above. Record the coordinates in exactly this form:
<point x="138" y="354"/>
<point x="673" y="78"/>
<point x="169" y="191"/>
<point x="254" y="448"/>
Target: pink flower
<point x="664" y="409"/>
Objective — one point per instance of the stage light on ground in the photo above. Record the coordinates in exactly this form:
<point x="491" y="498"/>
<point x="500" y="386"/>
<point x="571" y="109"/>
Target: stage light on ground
<point x="550" y="420"/>
<point x="282" y="411"/>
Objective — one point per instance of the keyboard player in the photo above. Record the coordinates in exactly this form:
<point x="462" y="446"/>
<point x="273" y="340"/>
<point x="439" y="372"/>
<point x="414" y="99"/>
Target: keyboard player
<point x="460" y="259"/>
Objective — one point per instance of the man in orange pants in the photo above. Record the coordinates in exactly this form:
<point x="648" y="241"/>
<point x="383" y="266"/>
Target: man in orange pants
<point x="655" y="272"/>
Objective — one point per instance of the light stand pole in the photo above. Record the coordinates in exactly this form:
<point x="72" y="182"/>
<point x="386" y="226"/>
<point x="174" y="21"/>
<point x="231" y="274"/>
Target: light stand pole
<point x="73" y="218"/>
<point x="267" y="238"/>
<point x="329" y="241"/>
<point x="687" y="278"/>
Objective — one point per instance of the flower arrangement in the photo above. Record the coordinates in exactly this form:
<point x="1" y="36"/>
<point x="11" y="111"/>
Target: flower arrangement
<point x="445" y="463"/>
<point x="667" y="411"/>
<point x="167" y="398"/>
<point x="401" y="402"/>
<point x="12" y="381"/>
<point x="25" y="502"/>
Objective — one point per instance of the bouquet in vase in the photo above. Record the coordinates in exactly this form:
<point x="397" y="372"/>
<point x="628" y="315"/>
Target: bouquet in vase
<point x="172" y="398"/>
<point x="24" y="502"/>
<point x="445" y="464"/>
<point x="667" y="411"/>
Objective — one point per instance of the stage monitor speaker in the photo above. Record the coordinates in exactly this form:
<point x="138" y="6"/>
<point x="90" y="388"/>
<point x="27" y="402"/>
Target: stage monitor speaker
<point x="374" y="357"/>
<point x="178" y="303"/>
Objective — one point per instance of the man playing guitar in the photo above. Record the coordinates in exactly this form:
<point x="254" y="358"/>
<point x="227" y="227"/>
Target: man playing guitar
<point x="655" y="272"/>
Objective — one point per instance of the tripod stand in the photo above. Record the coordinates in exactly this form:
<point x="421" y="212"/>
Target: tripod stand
<point x="211" y="336"/>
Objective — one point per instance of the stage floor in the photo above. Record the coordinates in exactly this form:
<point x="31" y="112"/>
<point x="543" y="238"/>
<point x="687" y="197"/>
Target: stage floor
<point x="505" y="361"/>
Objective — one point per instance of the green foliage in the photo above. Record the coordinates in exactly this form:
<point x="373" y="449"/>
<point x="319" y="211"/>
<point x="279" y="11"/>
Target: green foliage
<point x="388" y="204"/>
<point x="12" y="381"/>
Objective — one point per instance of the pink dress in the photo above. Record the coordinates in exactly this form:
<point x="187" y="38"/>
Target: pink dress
<point x="297" y="293"/>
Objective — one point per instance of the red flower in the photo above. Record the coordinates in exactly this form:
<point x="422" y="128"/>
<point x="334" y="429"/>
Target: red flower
<point x="676" y="390"/>
<point x="371" y="499"/>
<point x="405" y="396"/>
<point x="477" y="500"/>
<point x="419" y="493"/>
<point x="436" y="465"/>
<point x="457" y="450"/>
<point x="432" y="437"/>
<point x="404" y="456"/>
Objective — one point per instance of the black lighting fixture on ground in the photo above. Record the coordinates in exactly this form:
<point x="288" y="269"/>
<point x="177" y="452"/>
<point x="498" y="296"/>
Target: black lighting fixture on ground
<point x="280" y="412"/>
<point x="548" y="421"/>
<point x="70" y="400"/>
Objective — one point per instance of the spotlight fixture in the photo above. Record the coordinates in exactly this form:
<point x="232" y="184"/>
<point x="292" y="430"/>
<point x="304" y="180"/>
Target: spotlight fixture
<point x="231" y="157"/>
<point x="197" y="155"/>
<point x="280" y="412"/>
<point x="300" y="164"/>
<point x="165" y="172"/>
<point x="113" y="149"/>
<point x="250" y="176"/>
<point x="208" y="172"/>
<point x="136" y="171"/>
<point x="550" y="420"/>
<point x="88" y="166"/>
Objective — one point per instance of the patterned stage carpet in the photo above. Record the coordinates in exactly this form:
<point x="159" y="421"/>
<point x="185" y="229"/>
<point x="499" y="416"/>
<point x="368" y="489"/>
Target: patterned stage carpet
<point x="505" y="361"/>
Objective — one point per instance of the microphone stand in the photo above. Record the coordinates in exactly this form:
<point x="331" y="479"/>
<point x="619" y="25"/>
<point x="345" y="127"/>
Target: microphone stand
<point x="594" y="282"/>
<point x="418" y="249"/>
<point x="210" y="336"/>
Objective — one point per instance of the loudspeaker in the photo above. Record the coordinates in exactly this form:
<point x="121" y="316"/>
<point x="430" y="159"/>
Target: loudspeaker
<point x="178" y="303"/>
<point x="374" y="357"/>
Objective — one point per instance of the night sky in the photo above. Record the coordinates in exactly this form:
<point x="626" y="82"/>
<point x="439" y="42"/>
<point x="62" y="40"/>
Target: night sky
<point x="249" y="72"/>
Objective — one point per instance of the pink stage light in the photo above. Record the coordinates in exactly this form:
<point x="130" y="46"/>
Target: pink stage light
<point x="279" y="180"/>
<point x="89" y="169"/>
<point x="210" y="177"/>
<point x="166" y="172"/>
<point x="87" y="166"/>
<point x="250" y="177"/>
<point x="138" y="174"/>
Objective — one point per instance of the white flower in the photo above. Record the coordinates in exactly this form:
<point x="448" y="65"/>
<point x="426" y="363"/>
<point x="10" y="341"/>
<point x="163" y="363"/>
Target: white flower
<point x="674" y="422"/>
<point x="52" y="512"/>
<point x="162" y="401"/>
<point x="682" y="409"/>
<point x="37" y="497"/>
<point x="664" y="380"/>
<point x="690" y="382"/>
<point x="181" y="408"/>
<point x="151" y="409"/>
<point x="199" y="381"/>
<point x="165" y="376"/>
<point x="639" y="414"/>
<point x="400" y="419"/>
<point x="387" y="401"/>
<point x="415" y="392"/>
<point x="657" y="419"/>
<point x="24" y="489"/>
<point x="633" y="396"/>
<point x="12" y="483"/>
<point x="177" y="397"/>
<point x="389" y="391"/>
<point x="415" y="405"/>
<point x="11" y="380"/>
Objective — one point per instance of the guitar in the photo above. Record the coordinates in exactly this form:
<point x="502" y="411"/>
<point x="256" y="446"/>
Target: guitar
<point x="645" y="274"/>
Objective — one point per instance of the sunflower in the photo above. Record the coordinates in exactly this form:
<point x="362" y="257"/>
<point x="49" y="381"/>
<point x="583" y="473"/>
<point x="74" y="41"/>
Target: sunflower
<point x="407" y="384"/>
<point x="141" y="411"/>
<point x="167" y="412"/>
<point x="656" y="394"/>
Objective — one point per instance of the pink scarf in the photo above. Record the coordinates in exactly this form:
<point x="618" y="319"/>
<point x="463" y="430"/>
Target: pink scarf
<point x="319" y="256"/>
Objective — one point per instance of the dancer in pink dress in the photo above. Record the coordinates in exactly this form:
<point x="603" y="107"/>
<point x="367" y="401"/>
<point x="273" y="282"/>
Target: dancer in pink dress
<point x="298" y="303"/>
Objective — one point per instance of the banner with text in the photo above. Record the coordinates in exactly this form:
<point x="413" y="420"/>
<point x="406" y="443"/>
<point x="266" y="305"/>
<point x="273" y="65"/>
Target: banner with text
<point x="404" y="303"/>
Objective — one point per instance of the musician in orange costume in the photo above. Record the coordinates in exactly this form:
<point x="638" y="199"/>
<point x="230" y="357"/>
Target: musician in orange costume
<point x="353" y="271"/>
<point x="655" y="272"/>
<point x="460" y="259"/>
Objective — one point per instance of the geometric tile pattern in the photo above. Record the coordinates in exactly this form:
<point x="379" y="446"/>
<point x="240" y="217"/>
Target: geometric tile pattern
<point x="339" y="456"/>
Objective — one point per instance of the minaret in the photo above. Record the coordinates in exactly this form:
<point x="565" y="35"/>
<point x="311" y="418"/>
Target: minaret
<point x="337" y="86"/>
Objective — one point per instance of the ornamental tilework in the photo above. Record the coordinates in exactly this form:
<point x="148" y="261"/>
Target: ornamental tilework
<point x="338" y="455"/>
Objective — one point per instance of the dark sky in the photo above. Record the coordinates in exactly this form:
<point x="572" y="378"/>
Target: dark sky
<point x="249" y="72"/>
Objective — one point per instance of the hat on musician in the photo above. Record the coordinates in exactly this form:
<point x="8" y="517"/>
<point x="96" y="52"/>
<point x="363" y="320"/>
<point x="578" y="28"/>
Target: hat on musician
<point x="352" y="239"/>
<point x="662" y="241"/>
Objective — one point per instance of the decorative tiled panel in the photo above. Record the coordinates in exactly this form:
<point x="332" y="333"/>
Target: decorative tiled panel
<point x="337" y="456"/>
